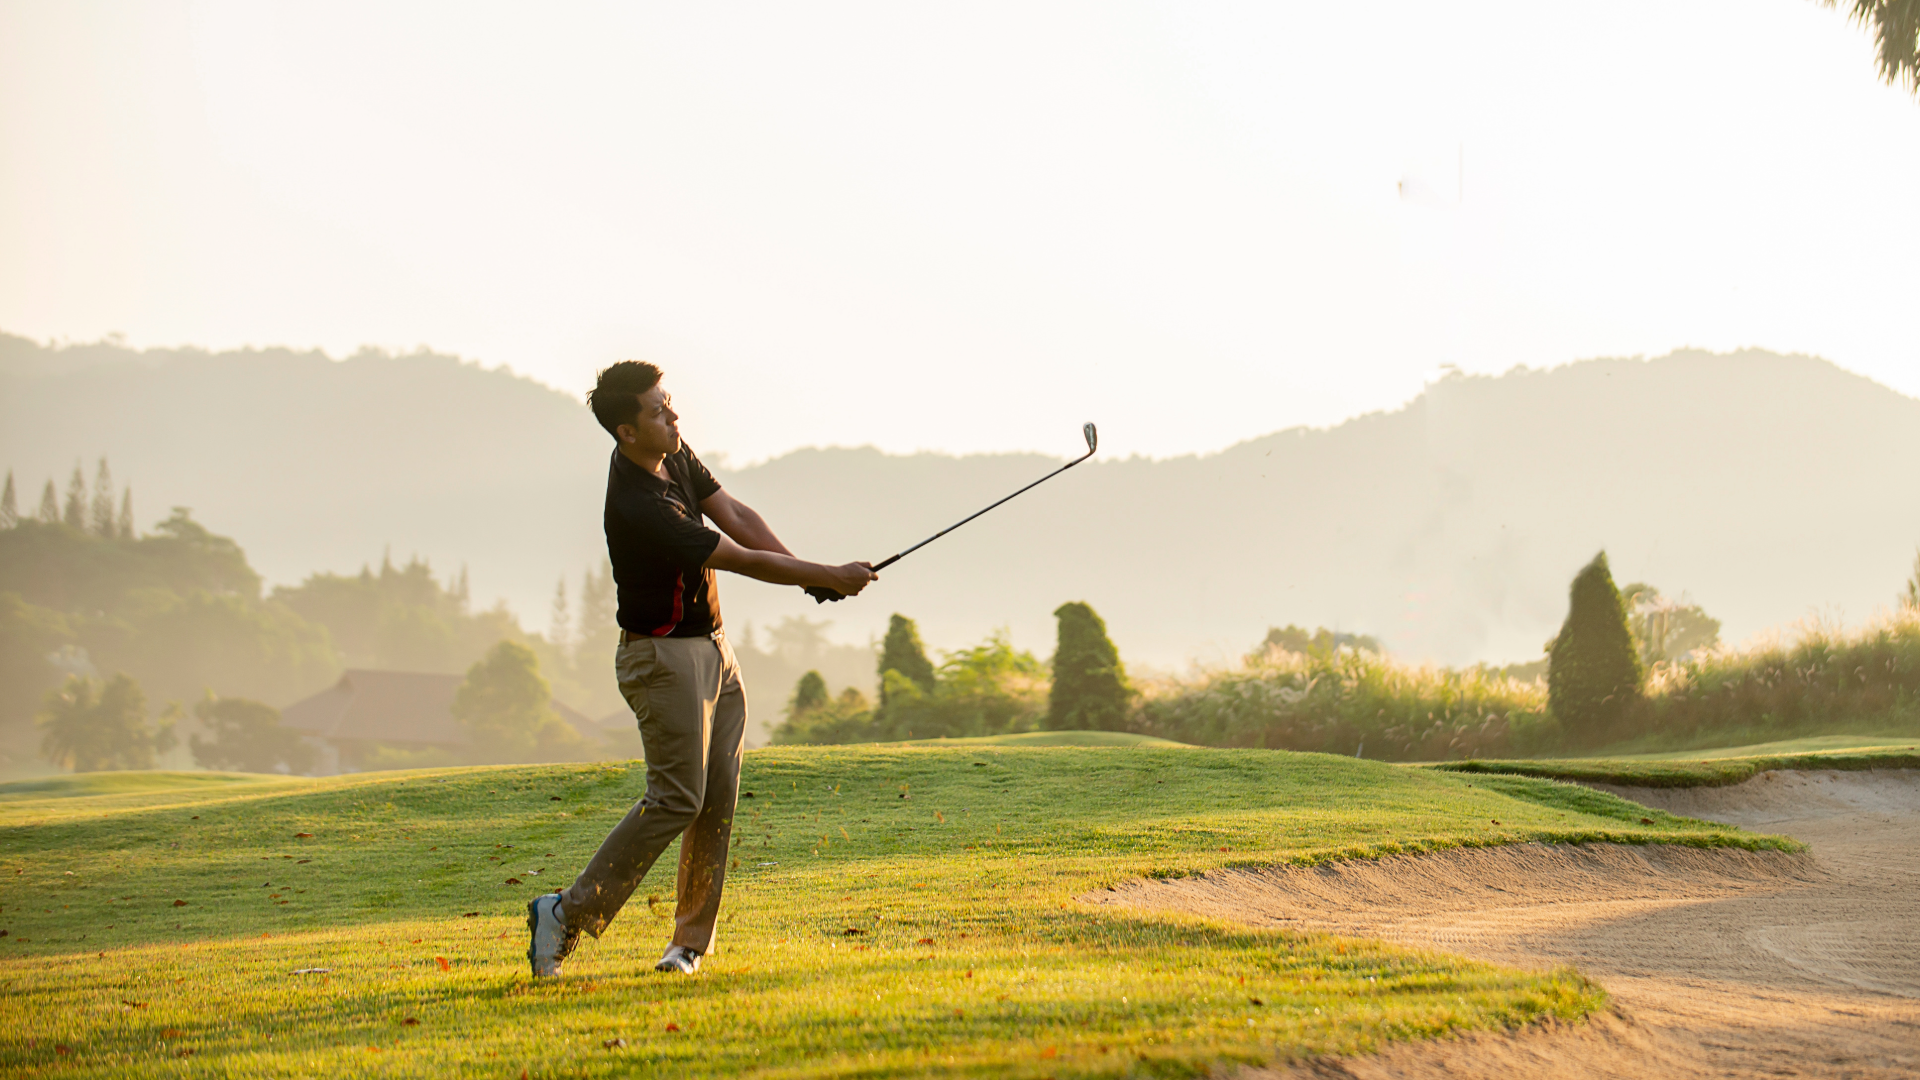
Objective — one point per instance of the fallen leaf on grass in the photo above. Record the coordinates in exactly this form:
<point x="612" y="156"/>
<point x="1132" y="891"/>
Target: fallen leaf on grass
<point x="62" y="1049"/>
<point x="442" y="961"/>
<point x="134" y="1004"/>
<point x="553" y="798"/>
<point x="673" y="1027"/>
<point x="303" y="836"/>
<point x="171" y="1033"/>
<point x="615" y="1044"/>
<point x="185" y="1051"/>
<point x="924" y="941"/>
<point x="411" y="1021"/>
<point x="1496" y="821"/>
<point x="1646" y="821"/>
<point x="1256" y="1001"/>
<point x="179" y="903"/>
<point x="470" y="915"/>
<point x="852" y="931"/>
<point x="1050" y="1051"/>
<point x="511" y="881"/>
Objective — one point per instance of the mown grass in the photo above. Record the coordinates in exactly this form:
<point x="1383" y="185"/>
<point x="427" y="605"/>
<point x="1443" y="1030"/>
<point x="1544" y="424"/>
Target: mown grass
<point x="892" y="911"/>
<point x="1051" y="738"/>
<point x="1675" y="770"/>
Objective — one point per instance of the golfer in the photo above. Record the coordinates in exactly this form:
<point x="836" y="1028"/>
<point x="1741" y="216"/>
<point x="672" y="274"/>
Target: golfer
<point x="675" y="668"/>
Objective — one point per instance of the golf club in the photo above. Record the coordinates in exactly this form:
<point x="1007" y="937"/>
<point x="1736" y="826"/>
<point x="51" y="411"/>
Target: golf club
<point x="821" y="594"/>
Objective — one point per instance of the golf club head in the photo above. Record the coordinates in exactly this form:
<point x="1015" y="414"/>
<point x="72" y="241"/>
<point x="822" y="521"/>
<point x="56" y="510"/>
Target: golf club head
<point x="1093" y="437"/>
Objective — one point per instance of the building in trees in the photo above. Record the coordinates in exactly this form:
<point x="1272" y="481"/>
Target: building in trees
<point x="1593" y="668"/>
<point x="1090" y="690"/>
<point x="361" y="720"/>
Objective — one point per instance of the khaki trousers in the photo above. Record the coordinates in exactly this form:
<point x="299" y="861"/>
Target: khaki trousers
<point x="687" y="695"/>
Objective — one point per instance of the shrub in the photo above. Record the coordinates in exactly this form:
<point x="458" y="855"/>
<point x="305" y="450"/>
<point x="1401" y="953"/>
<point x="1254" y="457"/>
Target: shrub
<point x="1090" y="690"/>
<point x="1593" y="669"/>
<point x="1351" y="702"/>
<point x="247" y="737"/>
<point x="507" y="709"/>
<point x="90" y="726"/>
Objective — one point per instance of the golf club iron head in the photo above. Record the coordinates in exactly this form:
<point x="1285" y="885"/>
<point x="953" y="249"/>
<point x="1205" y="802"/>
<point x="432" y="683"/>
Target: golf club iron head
<point x="1093" y="437"/>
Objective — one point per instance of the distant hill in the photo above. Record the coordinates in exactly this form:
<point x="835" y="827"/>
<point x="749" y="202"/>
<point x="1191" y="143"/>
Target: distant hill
<point x="1766" y="487"/>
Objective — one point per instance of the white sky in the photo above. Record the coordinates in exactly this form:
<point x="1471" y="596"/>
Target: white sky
<point x="965" y="226"/>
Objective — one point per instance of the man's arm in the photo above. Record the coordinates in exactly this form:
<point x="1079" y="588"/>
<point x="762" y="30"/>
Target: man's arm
<point x="781" y="568"/>
<point x="742" y="523"/>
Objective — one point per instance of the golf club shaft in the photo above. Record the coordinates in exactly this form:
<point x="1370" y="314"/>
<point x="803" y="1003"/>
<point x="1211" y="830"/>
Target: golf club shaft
<point x="896" y="558"/>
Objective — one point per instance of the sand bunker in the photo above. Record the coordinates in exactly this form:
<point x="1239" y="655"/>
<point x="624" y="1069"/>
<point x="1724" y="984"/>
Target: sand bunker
<point x="1720" y="963"/>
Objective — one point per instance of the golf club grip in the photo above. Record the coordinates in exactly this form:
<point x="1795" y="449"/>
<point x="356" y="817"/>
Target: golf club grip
<point x="821" y="594"/>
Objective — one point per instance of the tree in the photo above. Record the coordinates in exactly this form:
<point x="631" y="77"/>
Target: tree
<point x="91" y="727"/>
<point x="901" y="651"/>
<point x="247" y="737"/>
<point x="75" y="514"/>
<point x="1090" y="690"/>
<point x="1910" y="599"/>
<point x="1896" y="31"/>
<point x="124" y="530"/>
<point x="1665" y="628"/>
<point x="1593" y="670"/>
<point x="9" y="507"/>
<point x="100" y="518"/>
<point x="809" y="693"/>
<point x="560" y="619"/>
<point x="507" y="709"/>
<point x="49" y="505"/>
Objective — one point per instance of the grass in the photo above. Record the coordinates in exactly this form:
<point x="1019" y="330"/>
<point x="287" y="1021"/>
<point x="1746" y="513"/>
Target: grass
<point x="1812" y="744"/>
<point x="1713" y="769"/>
<point x="1052" y="738"/>
<point x="892" y="911"/>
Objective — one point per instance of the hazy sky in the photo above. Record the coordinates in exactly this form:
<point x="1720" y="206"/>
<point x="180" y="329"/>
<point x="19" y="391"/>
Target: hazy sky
<point x="965" y="226"/>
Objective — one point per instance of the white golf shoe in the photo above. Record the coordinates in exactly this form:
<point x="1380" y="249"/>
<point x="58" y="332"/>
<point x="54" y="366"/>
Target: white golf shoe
<point x="679" y="959"/>
<point x="552" y="939"/>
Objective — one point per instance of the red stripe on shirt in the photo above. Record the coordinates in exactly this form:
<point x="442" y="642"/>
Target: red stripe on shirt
<point x="679" y="586"/>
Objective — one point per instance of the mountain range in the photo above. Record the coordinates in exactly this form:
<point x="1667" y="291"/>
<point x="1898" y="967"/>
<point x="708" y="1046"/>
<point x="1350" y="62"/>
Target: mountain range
<point x="1766" y="488"/>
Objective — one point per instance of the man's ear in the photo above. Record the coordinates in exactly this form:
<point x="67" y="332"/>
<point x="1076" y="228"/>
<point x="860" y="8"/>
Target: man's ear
<point x="625" y="433"/>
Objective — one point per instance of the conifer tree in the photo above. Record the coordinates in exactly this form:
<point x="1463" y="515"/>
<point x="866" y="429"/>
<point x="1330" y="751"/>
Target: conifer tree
<point x="809" y="693"/>
<point x="101" y="517"/>
<point x="599" y="613"/>
<point x="9" y="510"/>
<point x="560" y="622"/>
<point x="124" y="530"/>
<point x="1090" y="690"/>
<point x="76" y="512"/>
<point x="49" y="505"/>
<point x="1593" y="669"/>
<point x="901" y="651"/>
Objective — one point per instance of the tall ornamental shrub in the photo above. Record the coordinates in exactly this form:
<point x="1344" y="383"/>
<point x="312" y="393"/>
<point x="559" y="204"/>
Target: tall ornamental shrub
<point x="1090" y="690"/>
<point x="902" y="652"/>
<point x="1593" y="670"/>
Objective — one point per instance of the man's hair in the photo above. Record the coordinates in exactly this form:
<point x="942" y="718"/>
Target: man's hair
<point x="615" y="397"/>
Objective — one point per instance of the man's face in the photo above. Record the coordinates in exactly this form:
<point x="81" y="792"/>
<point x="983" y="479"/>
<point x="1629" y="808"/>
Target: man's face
<point x="657" y="429"/>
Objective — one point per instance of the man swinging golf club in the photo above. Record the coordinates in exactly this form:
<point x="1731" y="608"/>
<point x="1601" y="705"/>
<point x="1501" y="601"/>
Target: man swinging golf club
<point x="675" y="668"/>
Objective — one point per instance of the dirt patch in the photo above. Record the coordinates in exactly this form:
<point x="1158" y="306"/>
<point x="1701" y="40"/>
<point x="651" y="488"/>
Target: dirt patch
<point x="1720" y="963"/>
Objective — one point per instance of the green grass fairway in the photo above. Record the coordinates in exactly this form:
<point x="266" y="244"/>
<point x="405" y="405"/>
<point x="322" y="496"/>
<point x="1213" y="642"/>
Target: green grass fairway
<point x="1703" y="769"/>
<point x="1815" y="744"/>
<point x="1051" y="738"/>
<point x="893" y="911"/>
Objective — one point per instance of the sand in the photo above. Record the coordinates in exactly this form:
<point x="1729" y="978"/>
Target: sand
<point x="1719" y="963"/>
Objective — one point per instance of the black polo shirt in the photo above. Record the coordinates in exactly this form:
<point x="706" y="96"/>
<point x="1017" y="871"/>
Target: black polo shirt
<point x="657" y="541"/>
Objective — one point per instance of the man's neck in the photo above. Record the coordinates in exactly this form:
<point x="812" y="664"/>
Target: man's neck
<point x="653" y="463"/>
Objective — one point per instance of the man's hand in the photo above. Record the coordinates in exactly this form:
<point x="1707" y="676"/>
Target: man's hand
<point x="850" y="578"/>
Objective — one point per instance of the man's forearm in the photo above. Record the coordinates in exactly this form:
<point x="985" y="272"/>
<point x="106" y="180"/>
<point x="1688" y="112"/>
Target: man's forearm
<point x="776" y="567"/>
